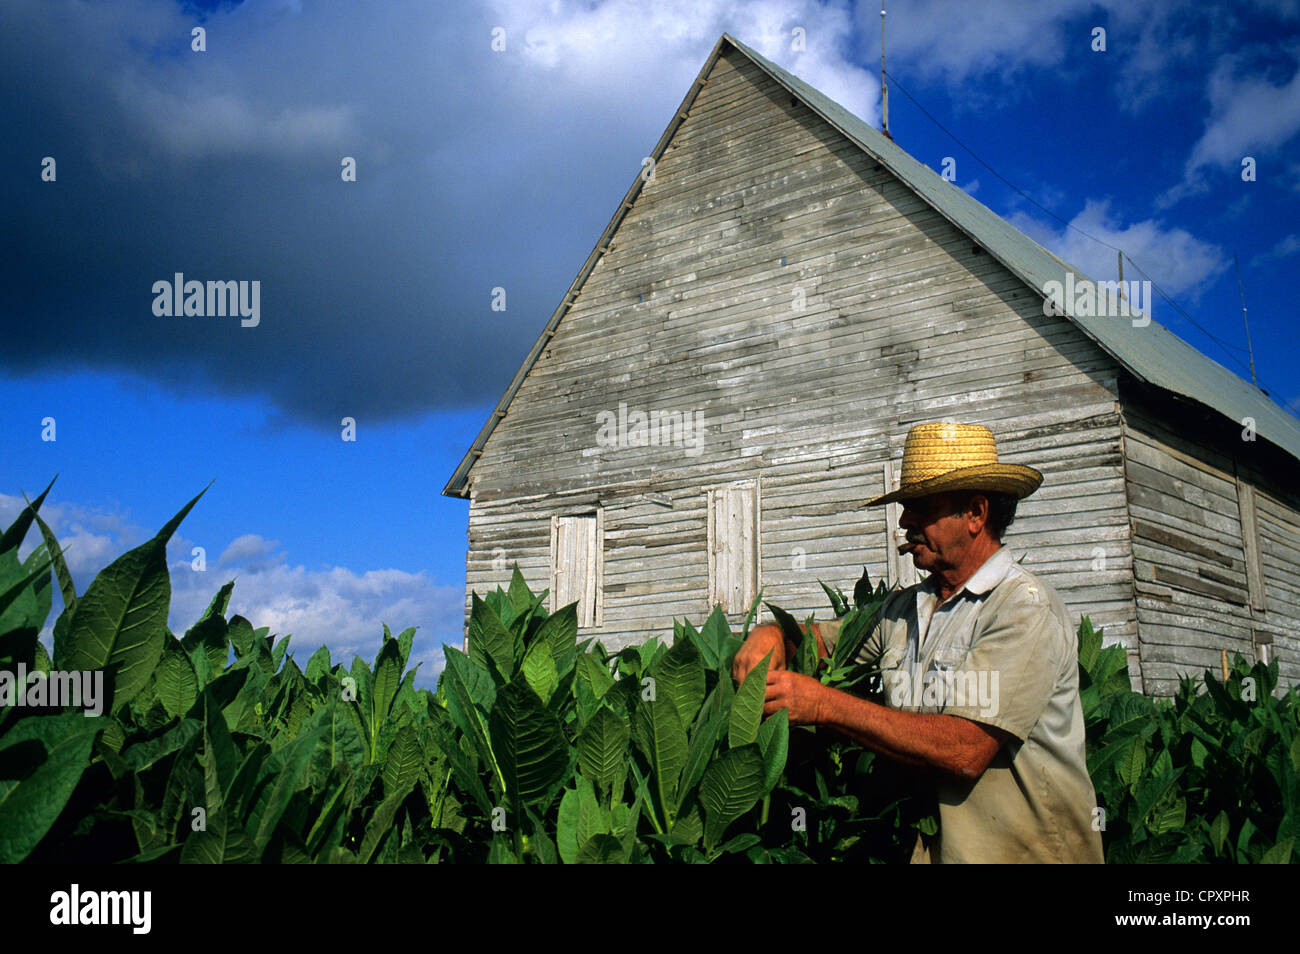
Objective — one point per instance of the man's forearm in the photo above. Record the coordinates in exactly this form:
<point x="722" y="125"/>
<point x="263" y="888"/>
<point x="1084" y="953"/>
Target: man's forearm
<point x="944" y="743"/>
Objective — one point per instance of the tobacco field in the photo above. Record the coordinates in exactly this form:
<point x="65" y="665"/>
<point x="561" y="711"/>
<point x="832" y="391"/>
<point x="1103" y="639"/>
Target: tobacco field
<point x="218" y="747"/>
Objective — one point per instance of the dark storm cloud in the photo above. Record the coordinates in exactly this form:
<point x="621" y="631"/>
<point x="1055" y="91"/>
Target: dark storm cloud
<point x="475" y="170"/>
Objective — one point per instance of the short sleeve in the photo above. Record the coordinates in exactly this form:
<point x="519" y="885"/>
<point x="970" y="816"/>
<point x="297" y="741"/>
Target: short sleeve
<point x="829" y="631"/>
<point x="1009" y="674"/>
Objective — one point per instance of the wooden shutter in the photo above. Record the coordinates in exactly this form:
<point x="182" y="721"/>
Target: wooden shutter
<point x="734" y="546"/>
<point x="1250" y="544"/>
<point x="576" y="566"/>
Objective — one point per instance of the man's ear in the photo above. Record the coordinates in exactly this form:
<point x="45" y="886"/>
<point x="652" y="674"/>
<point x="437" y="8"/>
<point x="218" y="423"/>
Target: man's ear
<point x="977" y="513"/>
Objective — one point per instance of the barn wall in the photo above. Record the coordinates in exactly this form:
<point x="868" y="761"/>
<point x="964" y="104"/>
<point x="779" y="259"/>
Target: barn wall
<point x="1190" y="556"/>
<point x="778" y="281"/>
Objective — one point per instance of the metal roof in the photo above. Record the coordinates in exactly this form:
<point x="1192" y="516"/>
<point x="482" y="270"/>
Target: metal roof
<point x="1150" y="352"/>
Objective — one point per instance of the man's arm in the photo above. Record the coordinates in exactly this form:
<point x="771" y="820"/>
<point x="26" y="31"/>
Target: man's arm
<point x="952" y="745"/>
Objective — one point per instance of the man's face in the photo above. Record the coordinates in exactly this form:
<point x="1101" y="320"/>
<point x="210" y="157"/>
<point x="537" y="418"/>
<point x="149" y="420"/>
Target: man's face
<point x="937" y="532"/>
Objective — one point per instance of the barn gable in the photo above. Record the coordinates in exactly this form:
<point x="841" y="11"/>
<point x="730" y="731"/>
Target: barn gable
<point x="733" y="370"/>
<point x="1150" y="352"/>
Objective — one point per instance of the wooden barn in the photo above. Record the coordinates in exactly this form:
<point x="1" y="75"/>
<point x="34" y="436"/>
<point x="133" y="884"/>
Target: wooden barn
<point x="735" y="366"/>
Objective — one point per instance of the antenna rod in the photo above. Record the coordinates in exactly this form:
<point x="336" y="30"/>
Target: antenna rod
<point x="1249" y="346"/>
<point x="884" y="89"/>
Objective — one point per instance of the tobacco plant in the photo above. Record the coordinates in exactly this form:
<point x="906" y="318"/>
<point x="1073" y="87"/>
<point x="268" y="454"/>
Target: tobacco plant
<point x="216" y="747"/>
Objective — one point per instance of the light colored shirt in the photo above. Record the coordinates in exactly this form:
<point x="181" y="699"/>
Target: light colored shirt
<point x="999" y="651"/>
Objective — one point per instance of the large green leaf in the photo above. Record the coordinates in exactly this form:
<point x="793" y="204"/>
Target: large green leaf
<point x="530" y="747"/>
<point x="283" y="774"/>
<point x="25" y="595"/>
<point x="560" y="632"/>
<point x="539" y="669"/>
<point x="242" y="635"/>
<point x="470" y="695"/>
<point x="732" y="786"/>
<point x="661" y="737"/>
<point x="60" y="746"/>
<point x="592" y="683"/>
<point x="602" y="850"/>
<point x="679" y="678"/>
<point x="747" y="709"/>
<point x="403" y="761"/>
<point x="223" y="841"/>
<point x="862" y="593"/>
<point x="713" y="638"/>
<point x="602" y="748"/>
<point x="704" y="740"/>
<point x="388" y="677"/>
<point x="774" y="742"/>
<point x="14" y="534"/>
<point x="121" y="620"/>
<point x="144" y="754"/>
<point x="520" y="595"/>
<point x="566" y="825"/>
<point x="175" y="682"/>
<point x="1219" y="831"/>
<point x="581" y="817"/>
<point x="318" y="665"/>
<point x="491" y="644"/>
<point x="1279" y="854"/>
<point x="66" y="588"/>
<point x="219" y="756"/>
<point x="208" y="637"/>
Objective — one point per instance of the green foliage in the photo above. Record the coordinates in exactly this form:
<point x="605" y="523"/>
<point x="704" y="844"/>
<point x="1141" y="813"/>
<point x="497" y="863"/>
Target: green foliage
<point x="217" y="748"/>
<point x="1209" y="776"/>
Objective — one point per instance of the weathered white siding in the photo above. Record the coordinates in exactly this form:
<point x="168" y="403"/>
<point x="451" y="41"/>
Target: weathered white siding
<point x="1193" y="556"/>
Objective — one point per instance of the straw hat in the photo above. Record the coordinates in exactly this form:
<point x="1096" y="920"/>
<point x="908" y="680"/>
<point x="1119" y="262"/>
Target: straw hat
<point x="941" y="457"/>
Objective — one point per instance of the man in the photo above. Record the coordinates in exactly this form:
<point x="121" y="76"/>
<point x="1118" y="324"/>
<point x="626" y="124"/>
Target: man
<point x="979" y="665"/>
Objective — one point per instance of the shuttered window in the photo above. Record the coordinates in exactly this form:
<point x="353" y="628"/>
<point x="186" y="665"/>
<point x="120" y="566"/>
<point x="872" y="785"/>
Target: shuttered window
<point x="734" y="546"/>
<point x="577" y="565"/>
<point x="1250" y="545"/>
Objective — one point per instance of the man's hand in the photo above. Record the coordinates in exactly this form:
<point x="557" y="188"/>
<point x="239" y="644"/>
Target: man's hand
<point x="802" y="695"/>
<point x="762" y="640"/>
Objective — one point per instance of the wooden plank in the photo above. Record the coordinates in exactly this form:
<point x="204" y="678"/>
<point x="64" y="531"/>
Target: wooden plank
<point x="1149" y="531"/>
<point x="1203" y="587"/>
<point x="1250" y="545"/>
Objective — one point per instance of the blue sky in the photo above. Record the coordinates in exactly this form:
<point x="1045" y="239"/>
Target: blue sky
<point x="481" y="168"/>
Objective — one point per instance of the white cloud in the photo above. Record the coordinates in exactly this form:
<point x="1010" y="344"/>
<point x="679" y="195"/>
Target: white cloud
<point x="1247" y="115"/>
<point x="190" y="124"/>
<point x="248" y="549"/>
<point x="1173" y="258"/>
<point x="957" y="39"/>
<point x="597" y="45"/>
<point x="1285" y="248"/>
<point x="337" y="607"/>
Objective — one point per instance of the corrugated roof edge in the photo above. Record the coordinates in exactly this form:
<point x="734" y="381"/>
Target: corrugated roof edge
<point x="1151" y="352"/>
